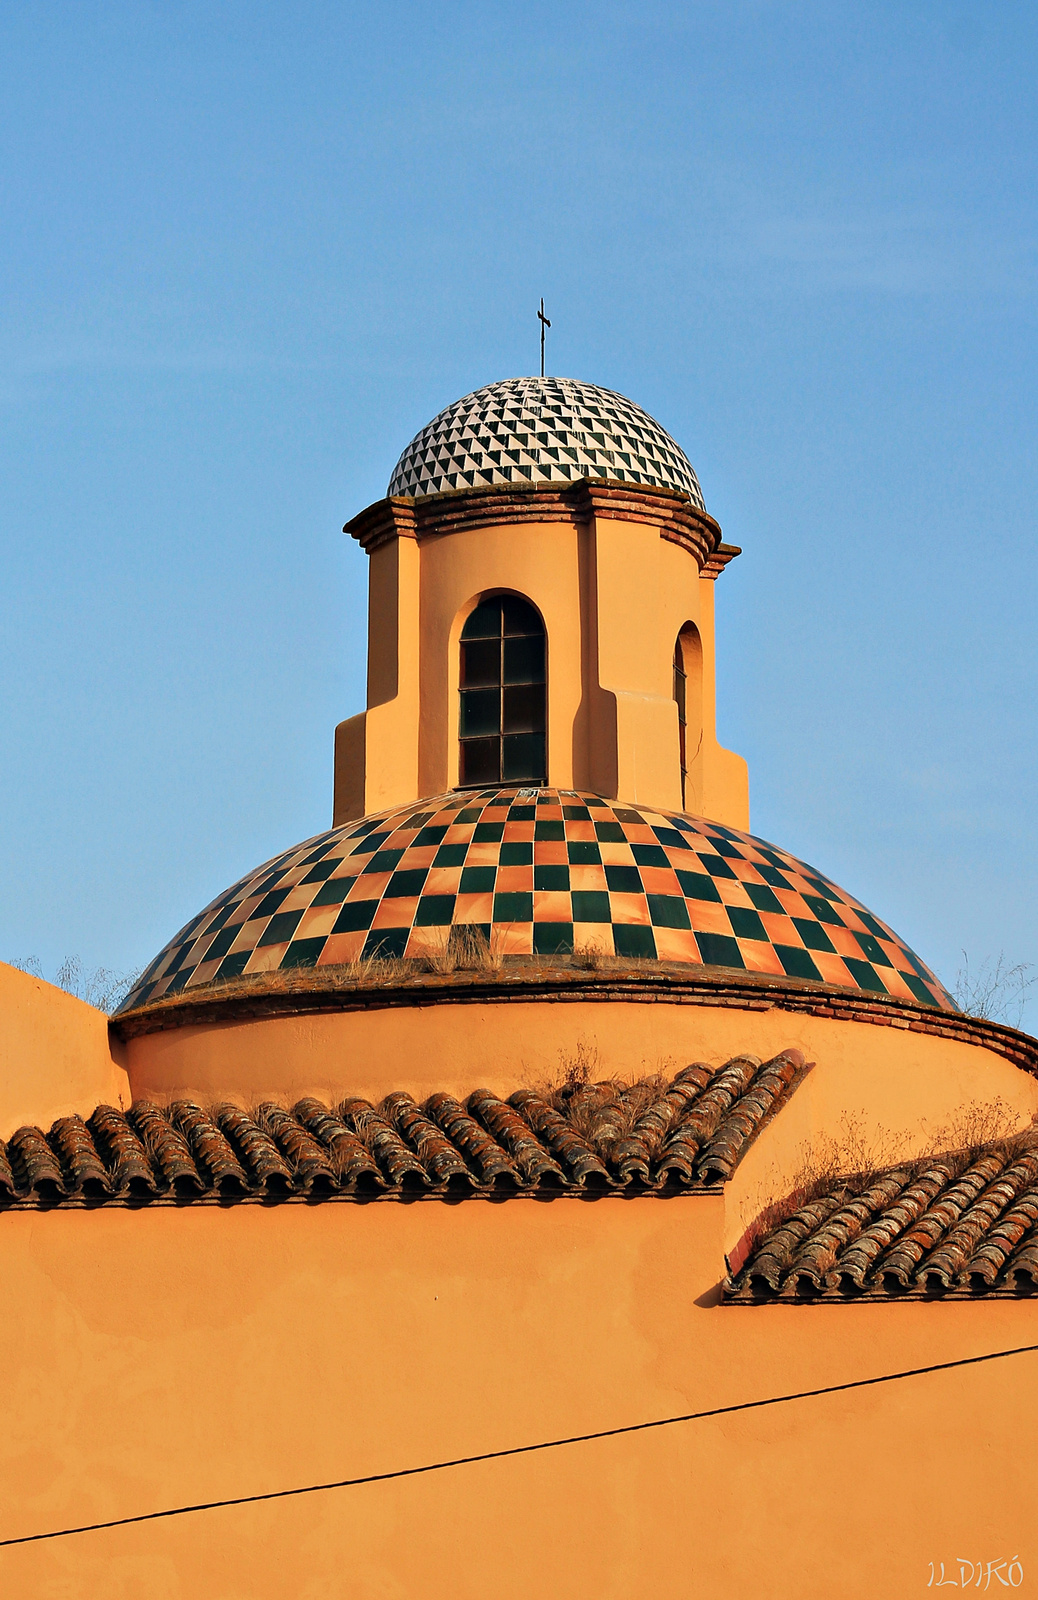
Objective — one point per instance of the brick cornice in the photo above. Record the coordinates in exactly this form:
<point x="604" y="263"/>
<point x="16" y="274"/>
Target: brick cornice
<point x="669" y="510"/>
<point x="391" y="518"/>
<point x="717" y="561"/>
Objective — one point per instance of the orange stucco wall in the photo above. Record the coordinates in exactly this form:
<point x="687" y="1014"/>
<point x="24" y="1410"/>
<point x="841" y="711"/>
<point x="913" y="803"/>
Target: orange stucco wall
<point x="178" y="1355"/>
<point x="55" y="1054"/>
<point x="889" y="1079"/>
<point x="614" y="597"/>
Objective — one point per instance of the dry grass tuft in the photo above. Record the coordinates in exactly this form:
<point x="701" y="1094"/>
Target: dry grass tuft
<point x="467" y="950"/>
<point x="982" y="1122"/>
<point x="593" y="958"/>
<point x="601" y="1109"/>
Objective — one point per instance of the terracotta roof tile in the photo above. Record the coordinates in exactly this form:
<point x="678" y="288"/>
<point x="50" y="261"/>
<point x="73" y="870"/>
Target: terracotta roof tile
<point x="960" y="1224"/>
<point x="685" y="1135"/>
<point x="121" y="1152"/>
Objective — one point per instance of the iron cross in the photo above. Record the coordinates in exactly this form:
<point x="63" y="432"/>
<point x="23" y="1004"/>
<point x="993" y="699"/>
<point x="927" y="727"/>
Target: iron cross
<point x="544" y="324"/>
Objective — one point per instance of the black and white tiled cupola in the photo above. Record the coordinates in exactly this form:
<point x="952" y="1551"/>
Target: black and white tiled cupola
<point x="536" y="431"/>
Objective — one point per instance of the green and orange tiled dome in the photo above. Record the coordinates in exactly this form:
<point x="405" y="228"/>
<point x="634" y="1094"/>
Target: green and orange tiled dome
<point x="540" y="872"/>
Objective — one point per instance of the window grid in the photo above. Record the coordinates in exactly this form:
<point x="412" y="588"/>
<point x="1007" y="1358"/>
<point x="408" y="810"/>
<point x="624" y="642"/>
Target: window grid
<point x="502" y="721"/>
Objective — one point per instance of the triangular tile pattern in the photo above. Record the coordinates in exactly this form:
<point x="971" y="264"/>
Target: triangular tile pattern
<point x="541" y="872"/>
<point x="530" y="432"/>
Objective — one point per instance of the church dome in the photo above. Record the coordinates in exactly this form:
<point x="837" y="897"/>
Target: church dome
<point x="541" y="872"/>
<point x="536" y="431"/>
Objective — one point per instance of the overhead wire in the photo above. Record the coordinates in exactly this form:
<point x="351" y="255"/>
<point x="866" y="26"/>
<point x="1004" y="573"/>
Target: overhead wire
<point x="522" y="1449"/>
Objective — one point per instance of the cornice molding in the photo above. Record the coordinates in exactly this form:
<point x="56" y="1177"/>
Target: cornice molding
<point x="432" y="516"/>
<point x="322" y="989"/>
<point x="717" y="561"/>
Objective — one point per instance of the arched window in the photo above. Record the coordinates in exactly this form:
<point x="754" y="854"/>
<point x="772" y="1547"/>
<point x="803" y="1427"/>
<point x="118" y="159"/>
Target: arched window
<point x="688" y="696"/>
<point x="680" y="681"/>
<point x="502" y="682"/>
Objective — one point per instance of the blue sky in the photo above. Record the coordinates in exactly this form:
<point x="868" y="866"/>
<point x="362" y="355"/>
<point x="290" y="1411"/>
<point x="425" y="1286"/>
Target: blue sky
<point x="246" y="251"/>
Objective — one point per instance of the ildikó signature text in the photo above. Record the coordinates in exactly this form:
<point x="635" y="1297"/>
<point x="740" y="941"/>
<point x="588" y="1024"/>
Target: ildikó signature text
<point x="976" y="1574"/>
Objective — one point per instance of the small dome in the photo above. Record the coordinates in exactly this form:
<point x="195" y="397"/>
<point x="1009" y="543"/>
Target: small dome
<point x="536" y="431"/>
<point x="540" y="872"/>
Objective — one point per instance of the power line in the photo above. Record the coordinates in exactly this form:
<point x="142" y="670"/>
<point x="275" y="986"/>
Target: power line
<point x="523" y="1449"/>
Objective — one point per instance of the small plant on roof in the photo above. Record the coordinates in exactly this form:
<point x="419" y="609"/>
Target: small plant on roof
<point x="467" y="950"/>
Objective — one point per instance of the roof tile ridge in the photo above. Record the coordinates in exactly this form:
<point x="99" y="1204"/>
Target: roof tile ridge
<point x="903" y="1261"/>
<point x="580" y="1162"/>
<point x="948" y="1263"/>
<point x="394" y="1157"/>
<point x="1021" y="1271"/>
<point x="640" y="1156"/>
<point x="861" y="1258"/>
<point x="8" y="1185"/>
<point x="440" y="1160"/>
<point x="168" y="1151"/>
<point x="212" y="1152"/>
<point x="352" y="1163"/>
<point x="126" y="1160"/>
<point x="767" y="1267"/>
<point x="658" y="1120"/>
<point x="993" y="1252"/>
<point x="82" y="1167"/>
<point x="818" y="1258"/>
<point x="34" y="1166"/>
<point x="766" y="1090"/>
<point x="512" y="1131"/>
<point x="491" y="1163"/>
<point x="727" y="1085"/>
<point x="252" y="1142"/>
<point x="682" y="1145"/>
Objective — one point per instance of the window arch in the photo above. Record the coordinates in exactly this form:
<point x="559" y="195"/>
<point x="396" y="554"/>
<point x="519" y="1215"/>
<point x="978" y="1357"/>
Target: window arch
<point x="688" y="696"/>
<point x="503" y="686"/>
<point x="680" y="687"/>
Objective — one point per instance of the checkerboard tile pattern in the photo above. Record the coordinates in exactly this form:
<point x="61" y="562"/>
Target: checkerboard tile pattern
<point x="540" y="872"/>
<point x="538" y="431"/>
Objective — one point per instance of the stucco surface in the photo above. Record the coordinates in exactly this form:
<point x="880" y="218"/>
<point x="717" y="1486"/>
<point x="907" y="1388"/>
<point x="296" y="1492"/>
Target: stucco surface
<point x="177" y="1356"/>
<point x="55" y="1053"/>
<point x="888" y="1074"/>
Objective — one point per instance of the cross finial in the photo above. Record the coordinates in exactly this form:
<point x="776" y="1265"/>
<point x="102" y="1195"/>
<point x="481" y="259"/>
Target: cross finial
<point x="544" y="324"/>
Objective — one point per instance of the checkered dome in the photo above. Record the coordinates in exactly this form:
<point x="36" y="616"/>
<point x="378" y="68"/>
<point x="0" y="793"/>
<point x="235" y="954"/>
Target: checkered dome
<point x="540" y="872"/>
<point x="536" y="431"/>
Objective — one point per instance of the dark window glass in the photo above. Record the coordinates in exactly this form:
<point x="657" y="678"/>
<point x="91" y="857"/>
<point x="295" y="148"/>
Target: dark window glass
<point x="523" y="760"/>
<point x="518" y="616"/>
<point x="524" y="708"/>
<point x="503" y="695"/>
<point x="524" y="660"/>
<point x="481" y="760"/>
<point x="481" y="662"/>
<point x="480" y="712"/>
<point x="485" y="622"/>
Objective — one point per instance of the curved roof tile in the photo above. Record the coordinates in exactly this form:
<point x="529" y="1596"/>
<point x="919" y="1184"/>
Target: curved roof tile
<point x="961" y="1223"/>
<point x="577" y="1137"/>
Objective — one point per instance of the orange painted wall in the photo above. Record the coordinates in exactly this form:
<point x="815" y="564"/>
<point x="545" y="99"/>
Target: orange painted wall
<point x="55" y="1055"/>
<point x="184" y="1354"/>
